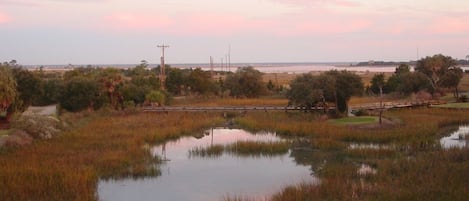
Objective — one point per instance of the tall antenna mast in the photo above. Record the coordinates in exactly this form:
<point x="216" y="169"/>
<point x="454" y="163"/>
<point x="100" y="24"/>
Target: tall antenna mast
<point x="229" y="58"/>
<point x="222" y="64"/>
<point x="162" y="66"/>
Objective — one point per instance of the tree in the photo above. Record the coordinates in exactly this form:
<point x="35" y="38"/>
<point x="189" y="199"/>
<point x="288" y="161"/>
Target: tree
<point x="435" y="68"/>
<point x="413" y="83"/>
<point x="245" y="82"/>
<point x="133" y="93"/>
<point x="451" y="79"/>
<point x="378" y="84"/>
<point x="402" y="69"/>
<point x="304" y="91"/>
<point x="347" y="84"/>
<point x="30" y="88"/>
<point x="27" y="88"/>
<point x="332" y="86"/>
<point x="156" y="97"/>
<point x="52" y="88"/>
<point x="111" y="80"/>
<point x="201" y="82"/>
<point x="175" y="81"/>
<point x="405" y="82"/>
<point x="81" y="93"/>
<point x="8" y="90"/>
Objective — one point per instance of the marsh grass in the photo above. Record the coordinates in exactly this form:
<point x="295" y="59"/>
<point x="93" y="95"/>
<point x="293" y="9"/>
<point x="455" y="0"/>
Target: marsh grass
<point x="252" y="148"/>
<point x="68" y="167"/>
<point x="210" y="151"/>
<point x="242" y="148"/>
<point x="355" y="120"/>
<point x="418" y="128"/>
<point x="414" y="168"/>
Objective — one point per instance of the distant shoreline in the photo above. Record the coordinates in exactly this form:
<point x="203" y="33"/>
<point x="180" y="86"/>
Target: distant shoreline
<point x="299" y="67"/>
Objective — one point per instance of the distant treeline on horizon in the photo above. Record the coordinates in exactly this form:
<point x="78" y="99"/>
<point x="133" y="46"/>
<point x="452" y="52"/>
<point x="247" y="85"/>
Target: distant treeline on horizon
<point x="393" y="63"/>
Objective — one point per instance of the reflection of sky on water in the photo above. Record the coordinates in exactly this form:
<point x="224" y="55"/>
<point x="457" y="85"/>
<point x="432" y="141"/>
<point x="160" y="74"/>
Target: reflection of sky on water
<point x="207" y="179"/>
<point x="454" y="139"/>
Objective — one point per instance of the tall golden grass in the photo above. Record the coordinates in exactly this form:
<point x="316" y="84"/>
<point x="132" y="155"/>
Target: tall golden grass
<point x="68" y="167"/>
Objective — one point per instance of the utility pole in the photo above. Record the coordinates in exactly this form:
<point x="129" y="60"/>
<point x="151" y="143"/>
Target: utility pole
<point x="211" y="67"/>
<point x="162" y="66"/>
<point x="381" y="108"/>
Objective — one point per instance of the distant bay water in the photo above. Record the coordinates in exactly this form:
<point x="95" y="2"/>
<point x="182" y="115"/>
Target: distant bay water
<point x="292" y="68"/>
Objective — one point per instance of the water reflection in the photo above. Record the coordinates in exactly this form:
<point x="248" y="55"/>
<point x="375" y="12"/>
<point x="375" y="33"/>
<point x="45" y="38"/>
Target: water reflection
<point x="210" y="179"/>
<point x="457" y="139"/>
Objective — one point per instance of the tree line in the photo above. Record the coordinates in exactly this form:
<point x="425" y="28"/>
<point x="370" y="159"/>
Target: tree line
<point x="93" y="88"/>
<point x="432" y="74"/>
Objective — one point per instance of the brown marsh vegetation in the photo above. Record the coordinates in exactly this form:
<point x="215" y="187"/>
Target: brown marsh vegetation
<point x="113" y="146"/>
<point x="413" y="168"/>
<point x="68" y="167"/>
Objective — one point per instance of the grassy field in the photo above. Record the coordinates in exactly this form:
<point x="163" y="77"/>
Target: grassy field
<point x="68" y="167"/>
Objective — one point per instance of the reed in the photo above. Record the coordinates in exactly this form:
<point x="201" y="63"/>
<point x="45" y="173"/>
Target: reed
<point x="211" y="151"/>
<point x="252" y="148"/>
<point x="242" y="148"/>
<point x="68" y="167"/>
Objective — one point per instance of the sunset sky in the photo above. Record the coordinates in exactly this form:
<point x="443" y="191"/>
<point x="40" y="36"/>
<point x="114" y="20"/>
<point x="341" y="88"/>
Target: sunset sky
<point x="127" y="31"/>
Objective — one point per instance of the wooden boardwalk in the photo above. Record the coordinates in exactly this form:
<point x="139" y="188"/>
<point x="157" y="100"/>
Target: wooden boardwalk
<point x="226" y="108"/>
<point x="372" y="106"/>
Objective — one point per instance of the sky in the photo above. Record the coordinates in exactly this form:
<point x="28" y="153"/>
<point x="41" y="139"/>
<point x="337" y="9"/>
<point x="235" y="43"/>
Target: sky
<point x="45" y="32"/>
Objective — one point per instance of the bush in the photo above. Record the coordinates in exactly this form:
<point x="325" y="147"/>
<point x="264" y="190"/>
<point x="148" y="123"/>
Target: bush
<point x="38" y="126"/>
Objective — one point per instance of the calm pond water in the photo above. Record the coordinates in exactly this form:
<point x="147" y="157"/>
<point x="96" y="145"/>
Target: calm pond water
<point x="185" y="178"/>
<point x="456" y="139"/>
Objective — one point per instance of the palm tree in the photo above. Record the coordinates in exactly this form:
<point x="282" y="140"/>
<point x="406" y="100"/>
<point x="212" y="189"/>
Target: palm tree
<point x="7" y="89"/>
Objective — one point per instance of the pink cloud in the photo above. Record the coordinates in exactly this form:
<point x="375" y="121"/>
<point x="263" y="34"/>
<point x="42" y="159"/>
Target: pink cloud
<point x="4" y="18"/>
<point x="212" y="24"/>
<point x="137" y="21"/>
<point x="333" y="26"/>
<point x="226" y="24"/>
<point x="450" y="25"/>
<point x="341" y="3"/>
